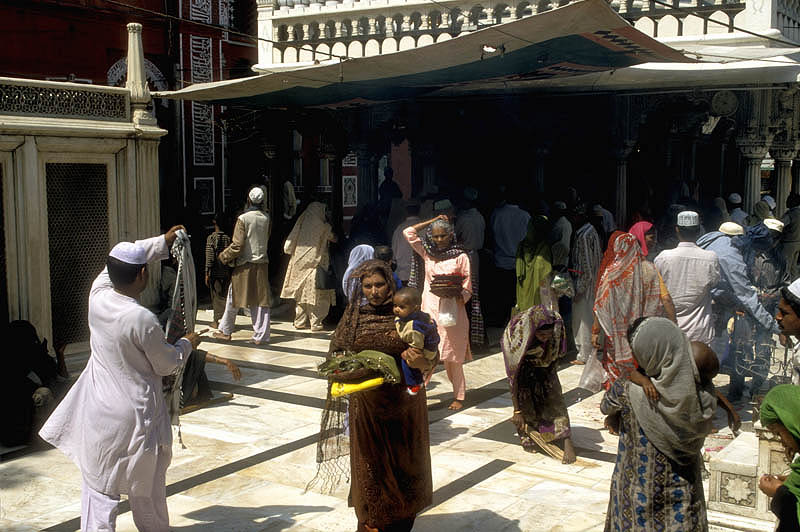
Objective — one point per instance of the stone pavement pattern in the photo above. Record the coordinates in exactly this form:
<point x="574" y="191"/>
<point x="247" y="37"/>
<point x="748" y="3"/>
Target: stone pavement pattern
<point x="246" y="461"/>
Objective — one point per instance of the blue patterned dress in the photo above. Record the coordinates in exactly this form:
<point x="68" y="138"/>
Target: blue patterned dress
<point x="649" y="492"/>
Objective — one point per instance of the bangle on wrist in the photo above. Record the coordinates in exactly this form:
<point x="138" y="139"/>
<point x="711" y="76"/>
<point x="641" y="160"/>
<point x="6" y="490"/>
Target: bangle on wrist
<point x="517" y="411"/>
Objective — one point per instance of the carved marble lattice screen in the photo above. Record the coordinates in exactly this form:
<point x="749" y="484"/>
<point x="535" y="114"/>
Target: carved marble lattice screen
<point x="3" y="270"/>
<point x="77" y="223"/>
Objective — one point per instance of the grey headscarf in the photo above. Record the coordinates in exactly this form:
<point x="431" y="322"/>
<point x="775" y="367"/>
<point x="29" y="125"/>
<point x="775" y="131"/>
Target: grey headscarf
<point x="679" y="421"/>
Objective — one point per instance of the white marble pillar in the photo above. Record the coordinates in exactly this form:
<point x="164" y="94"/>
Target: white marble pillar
<point x="137" y="81"/>
<point x="783" y="153"/>
<point x="754" y="148"/>
<point x="621" y="155"/>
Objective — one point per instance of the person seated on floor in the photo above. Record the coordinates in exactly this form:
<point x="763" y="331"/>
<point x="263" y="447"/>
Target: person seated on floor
<point x="195" y="388"/>
<point x="27" y="382"/>
<point x="780" y="413"/>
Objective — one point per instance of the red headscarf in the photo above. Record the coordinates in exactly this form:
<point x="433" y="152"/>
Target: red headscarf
<point x="608" y="257"/>
<point x="638" y="230"/>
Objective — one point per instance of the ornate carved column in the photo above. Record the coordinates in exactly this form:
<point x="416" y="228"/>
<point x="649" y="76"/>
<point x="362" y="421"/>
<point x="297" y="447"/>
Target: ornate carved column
<point x="137" y="82"/>
<point x="783" y="153"/>
<point x="621" y="153"/>
<point x="754" y="144"/>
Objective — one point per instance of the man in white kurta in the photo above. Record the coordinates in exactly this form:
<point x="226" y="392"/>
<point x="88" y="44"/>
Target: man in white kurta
<point x="114" y="422"/>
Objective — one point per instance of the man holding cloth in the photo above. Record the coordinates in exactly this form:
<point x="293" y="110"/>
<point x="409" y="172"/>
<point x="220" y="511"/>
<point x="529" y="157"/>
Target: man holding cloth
<point x="114" y="423"/>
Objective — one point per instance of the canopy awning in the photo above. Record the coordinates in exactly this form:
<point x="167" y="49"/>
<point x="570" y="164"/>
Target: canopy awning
<point x="580" y="38"/>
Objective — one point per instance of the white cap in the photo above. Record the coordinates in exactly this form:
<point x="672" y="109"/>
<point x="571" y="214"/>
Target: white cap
<point x="688" y="219"/>
<point x="129" y="253"/>
<point x="256" y="195"/>
<point x="775" y="225"/>
<point x="770" y="201"/>
<point x="794" y="288"/>
<point x="735" y="198"/>
<point x="731" y="228"/>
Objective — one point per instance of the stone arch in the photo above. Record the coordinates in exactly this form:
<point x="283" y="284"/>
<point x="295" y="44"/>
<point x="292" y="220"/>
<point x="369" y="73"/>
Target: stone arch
<point x="646" y="25"/>
<point x="347" y="28"/>
<point x="434" y="19"/>
<point x="355" y="49"/>
<point x="290" y="55"/>
<point x="305" y="53"/>
<point x="363" y="26"/>
<point x="475" y="15"/>
<point x="444" y="37"/>
<point x="389" y="45"/>
<point x="322" y="52"/>
<point x="380" y="25"/>
<point x="719" y="16"/>
<point x="415" y="21"/>
<point x="694" y="25"/>
<point x="339" y="49"/>
<point x="668" y="26"/>
<point x="313" y="31"/>
<point x="297" y="32"/>
<point x="397" y="23"/>
<point x="116" y="75"/>
<point x="372" y="47"/>
<point x="330" y="30"/>
<point x="523" y="9"/>
<point x="283" y="32"/>
<point x="501" y="11"/>
<point x="277" y="55"/>
<point x="425" y="40"/>
<point x="406" y="43"/>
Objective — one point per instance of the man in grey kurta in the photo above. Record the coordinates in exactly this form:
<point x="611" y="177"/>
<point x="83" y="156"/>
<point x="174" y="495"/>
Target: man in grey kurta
<point x="114" y="423"/>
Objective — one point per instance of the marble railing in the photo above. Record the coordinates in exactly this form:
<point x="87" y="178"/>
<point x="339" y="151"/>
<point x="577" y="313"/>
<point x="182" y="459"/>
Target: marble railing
<point x="305" y="31"/>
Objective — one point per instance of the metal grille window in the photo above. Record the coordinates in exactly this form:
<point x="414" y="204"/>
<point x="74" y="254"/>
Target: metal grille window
<point x="77" y="221"/>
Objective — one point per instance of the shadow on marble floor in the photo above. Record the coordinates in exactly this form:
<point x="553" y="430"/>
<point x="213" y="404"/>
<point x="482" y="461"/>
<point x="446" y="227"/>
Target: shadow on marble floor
<point x="440" y="434"/>
<point x="463" y="521"/>
<point x="273" y="518"/>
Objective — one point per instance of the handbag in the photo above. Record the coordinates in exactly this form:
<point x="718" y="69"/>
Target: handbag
<point x="325" y="279"/>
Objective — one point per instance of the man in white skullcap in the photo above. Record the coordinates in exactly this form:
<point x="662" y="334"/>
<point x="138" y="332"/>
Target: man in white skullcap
<point x="731" y="229"/>
<point x="735" y="208"/>
<point x="689" y="274"/>
<point x="114" y="422"/>
<point x="250" y="277"/>
<point x="788" y="317"/>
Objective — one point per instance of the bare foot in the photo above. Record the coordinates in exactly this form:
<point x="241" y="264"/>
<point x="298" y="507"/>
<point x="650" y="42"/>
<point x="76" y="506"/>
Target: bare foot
<point x="569" y="452"/>
<point x="221" y="336"/>
<point x="214" y="325"/>
<point x="456" y="405"/>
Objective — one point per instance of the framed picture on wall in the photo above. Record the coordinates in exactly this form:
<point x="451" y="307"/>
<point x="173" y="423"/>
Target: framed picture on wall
<point x="349" y="191"/>
<point x="204" y="186"/>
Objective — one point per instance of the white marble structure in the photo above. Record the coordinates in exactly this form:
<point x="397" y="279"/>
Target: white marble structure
<point x="52" y="137"/>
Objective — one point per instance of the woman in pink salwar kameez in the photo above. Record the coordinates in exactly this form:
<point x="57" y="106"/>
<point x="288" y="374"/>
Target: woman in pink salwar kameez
<point x="434" y="241"/>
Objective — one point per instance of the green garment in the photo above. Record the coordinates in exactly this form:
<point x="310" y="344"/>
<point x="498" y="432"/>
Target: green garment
<point x="534" y="264"/>
<point x="782" y="405"/>
<point x="357" y="367"/>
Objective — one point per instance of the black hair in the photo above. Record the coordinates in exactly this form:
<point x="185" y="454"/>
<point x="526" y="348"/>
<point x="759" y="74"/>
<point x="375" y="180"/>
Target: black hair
<point x="411" y="293"/>
<point x="383" y="253"/>
<point x="792" y="299"/>
<point x="388" y="173"/>
<point x="793" y="200"/>
<point x="122" y="273"/>
<point x="688" y="234"/>
<point x="634" y="326"/>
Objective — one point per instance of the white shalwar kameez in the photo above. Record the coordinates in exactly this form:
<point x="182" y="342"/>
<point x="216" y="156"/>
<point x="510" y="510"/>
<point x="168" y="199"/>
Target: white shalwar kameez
<point x="114" y="423"/>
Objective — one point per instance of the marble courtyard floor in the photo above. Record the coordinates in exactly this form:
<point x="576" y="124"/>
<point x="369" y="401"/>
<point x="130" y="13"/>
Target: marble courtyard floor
<point x="246" y="461"/>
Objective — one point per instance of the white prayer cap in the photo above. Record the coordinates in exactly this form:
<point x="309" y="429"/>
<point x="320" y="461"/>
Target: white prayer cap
<point x="770" y="201"/>
<point x="794" y="288"/>
<point x="731" y="228"/>
<point x="560" y="205"/>
<point x="256" y="195"/>
<point x="775" y="225"/>
<point x="129" y="253"/>
<point x="735" y="198"/>
<point x="688" y="219"/>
